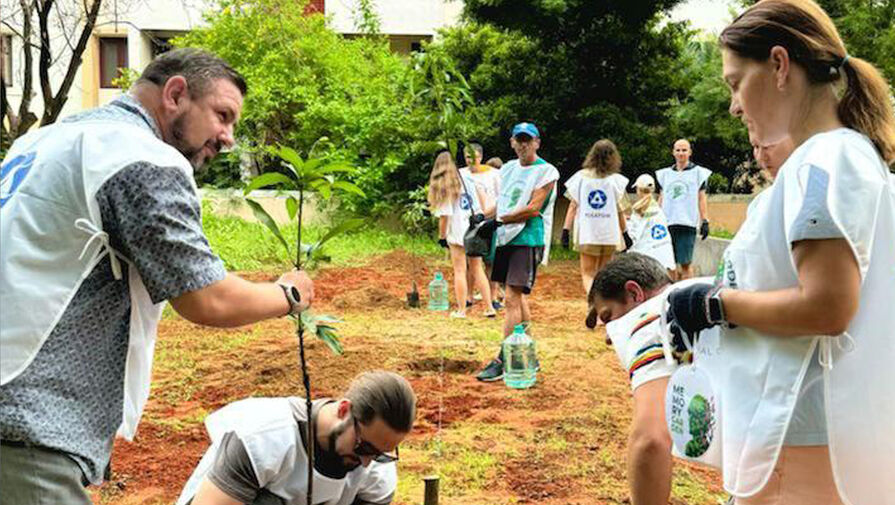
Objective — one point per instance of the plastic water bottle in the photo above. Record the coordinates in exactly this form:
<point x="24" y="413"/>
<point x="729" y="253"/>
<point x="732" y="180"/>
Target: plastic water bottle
<point x="519" y="359"/>
<point x="438" y="293"/>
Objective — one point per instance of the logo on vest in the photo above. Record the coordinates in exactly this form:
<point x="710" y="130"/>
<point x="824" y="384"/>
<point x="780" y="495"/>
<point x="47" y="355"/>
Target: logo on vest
<point x="658" y="232"/>
<point x="677" y="190"/>
<point x="465" y="202"/>
<point x="12" y="174"/>
<point x="597" y="199"/>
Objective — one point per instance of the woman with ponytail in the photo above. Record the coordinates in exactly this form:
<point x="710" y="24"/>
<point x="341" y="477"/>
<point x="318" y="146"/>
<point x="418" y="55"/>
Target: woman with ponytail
<point x="806" y="299"/>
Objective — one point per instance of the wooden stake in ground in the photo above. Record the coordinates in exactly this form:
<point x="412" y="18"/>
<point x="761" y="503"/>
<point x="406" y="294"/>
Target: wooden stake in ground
<point x="431" y="492"/>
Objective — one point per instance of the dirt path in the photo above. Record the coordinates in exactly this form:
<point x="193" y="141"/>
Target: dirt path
<point x="561" y="442"/>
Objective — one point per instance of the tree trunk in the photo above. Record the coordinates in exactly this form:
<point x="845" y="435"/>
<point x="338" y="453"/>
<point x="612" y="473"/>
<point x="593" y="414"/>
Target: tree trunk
<point x="53" y="104"/>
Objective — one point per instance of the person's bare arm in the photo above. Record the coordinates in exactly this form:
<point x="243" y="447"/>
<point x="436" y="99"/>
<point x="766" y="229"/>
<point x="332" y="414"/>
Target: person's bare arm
<point x="538" y="197"/>
<point x="622" y="222"/>
<point x="703" y="205"/>
<point x="659" y="198"/>
<point x="210" y="494"/>
<point x="442" y="226"/>
<point x="824" y="302"/>
<point x="234" y="301"/>
<point x="570" y="215"/>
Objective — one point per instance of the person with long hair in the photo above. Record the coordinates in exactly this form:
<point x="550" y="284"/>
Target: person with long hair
<point x="805" y="295"/>
<point x="454" y="201"/>
<point x="597" y="202"/>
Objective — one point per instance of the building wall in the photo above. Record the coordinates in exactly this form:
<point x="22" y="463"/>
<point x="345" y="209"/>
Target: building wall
<point x="398" y="17"/>
<point x="406" y="22"/>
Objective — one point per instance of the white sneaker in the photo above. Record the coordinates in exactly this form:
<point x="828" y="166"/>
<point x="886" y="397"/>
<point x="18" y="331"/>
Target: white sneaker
<point x="458" y="315"/>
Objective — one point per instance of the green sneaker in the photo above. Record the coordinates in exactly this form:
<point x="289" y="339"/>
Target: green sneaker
<point x="492" y="373"/>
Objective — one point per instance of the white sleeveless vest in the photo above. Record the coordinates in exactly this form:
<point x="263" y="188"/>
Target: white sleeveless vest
<point x="680" y="194"/>
<point x="650" y="234"/>
<point x="764" y="373"/>
<point x="269" y="432"/>
<point x="52" y="235"/>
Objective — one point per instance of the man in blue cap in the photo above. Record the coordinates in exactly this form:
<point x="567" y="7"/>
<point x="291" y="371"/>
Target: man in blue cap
<point x="527" y="185"/>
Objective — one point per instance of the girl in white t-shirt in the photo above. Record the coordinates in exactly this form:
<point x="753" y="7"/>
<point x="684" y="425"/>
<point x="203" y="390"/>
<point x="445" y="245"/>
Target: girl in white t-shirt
<point x="597" y="202"/>
<point x="454" y="201"/>
<point x="806" y="290"/>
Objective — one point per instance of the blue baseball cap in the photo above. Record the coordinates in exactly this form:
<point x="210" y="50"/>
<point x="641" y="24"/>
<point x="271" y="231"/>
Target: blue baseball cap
<point x="526" y="128"/>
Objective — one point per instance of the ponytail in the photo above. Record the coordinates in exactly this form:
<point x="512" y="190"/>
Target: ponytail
<point x="867" y="106"/>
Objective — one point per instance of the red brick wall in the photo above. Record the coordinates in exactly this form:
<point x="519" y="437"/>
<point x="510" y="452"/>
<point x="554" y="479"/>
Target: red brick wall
<point x="315" y="6"/>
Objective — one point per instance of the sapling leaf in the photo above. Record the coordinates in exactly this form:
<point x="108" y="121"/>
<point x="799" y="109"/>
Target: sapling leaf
<point x="265" y="219"/>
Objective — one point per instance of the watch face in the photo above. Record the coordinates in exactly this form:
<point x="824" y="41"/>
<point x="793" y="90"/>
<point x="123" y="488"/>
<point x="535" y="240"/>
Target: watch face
<point x="715" y="311"/>
<point x="296" y="294"/>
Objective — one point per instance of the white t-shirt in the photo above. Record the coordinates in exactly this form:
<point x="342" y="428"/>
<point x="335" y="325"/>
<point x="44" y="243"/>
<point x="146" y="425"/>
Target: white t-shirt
<point x="596" y="221"/>
<point x="680" y="193"/>
<point x="488" y="181"/>
<point x="459" y="210"/>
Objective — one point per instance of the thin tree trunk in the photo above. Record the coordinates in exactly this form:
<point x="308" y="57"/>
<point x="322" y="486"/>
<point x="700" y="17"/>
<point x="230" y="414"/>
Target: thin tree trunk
<point x="19" y="123"/>
<point x="53" y="106"/>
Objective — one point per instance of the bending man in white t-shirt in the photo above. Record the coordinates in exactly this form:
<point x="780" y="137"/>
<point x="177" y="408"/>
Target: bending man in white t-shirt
<point x="258" y="452"/>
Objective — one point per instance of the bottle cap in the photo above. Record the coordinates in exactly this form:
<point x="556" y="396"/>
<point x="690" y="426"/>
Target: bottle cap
<point x="438" y="276"/>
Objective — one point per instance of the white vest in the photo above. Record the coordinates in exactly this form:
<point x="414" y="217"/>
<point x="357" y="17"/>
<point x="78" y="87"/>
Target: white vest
<point x="52" y="235"/>
<point x="269" y="432"/>
<point x="650" y="235"/>
<point x="764" y="373"/>
<point x="517" y="184"/>
<point x="680" y="194"/>
<point x="597" y="219"/>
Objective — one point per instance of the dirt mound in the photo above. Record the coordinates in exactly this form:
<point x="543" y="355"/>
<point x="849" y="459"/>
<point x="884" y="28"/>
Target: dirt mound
<point x="368" y="297"/>
<point x="448" y="365"/>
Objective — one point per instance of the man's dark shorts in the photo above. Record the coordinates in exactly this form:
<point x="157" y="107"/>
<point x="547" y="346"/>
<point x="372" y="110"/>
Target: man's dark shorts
<point x="517" y="266"/>
<point x="683" y="239"/>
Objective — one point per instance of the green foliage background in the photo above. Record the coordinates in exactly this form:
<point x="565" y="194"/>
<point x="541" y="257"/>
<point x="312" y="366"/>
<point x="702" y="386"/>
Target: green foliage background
<point x="580" y="69"/>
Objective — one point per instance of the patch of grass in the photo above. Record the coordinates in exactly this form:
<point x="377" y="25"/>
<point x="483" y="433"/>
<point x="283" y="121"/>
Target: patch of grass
<point x="690" y="489"/>
<point x="178" y="424"/>
<point x="245" y="245"/>
<point x="721" y="233"/>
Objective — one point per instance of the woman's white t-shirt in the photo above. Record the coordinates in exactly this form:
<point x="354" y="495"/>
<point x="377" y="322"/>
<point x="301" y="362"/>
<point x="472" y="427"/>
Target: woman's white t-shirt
<point x="488" y="180"/>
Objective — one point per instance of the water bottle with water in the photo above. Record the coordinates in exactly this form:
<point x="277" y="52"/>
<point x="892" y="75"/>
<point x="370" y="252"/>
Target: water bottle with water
<point x="438" y="293"/>
<point x="519" y="359"/>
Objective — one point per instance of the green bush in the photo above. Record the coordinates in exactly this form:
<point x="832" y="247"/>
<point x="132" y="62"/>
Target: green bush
<point x="717" y="183"/>
<point x="314" y="90"/>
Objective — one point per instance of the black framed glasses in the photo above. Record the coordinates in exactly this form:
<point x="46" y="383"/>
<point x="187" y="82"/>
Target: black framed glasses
<point x="364" y="448"/>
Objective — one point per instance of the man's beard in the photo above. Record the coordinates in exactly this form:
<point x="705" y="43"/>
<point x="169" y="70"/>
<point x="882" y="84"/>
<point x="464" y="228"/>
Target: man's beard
<point x="329" y="462"/>
<point x="179" y="142"/>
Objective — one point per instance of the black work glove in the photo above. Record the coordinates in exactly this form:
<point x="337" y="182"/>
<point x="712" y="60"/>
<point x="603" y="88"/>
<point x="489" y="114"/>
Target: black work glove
<point x="476" y="219"/>
<point x="443" y="242"/>
<point x="489" y="225"/>
<point x="704" y="229"/>
<point x="687" y="314"/>
<point x="565" y="239"/>
<point x="628" y="241"/>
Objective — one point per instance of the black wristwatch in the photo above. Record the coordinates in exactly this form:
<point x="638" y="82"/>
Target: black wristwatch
<point x="714" y="309"/>
<point x="293" y="296"/>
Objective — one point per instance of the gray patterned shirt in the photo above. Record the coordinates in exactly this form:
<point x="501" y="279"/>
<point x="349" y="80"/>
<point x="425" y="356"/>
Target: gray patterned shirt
<point x="70" y="397"/>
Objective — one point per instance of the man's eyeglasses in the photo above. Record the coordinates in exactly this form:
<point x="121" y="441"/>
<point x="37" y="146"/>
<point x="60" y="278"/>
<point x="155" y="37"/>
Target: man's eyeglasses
<point x="364" y="448"/>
